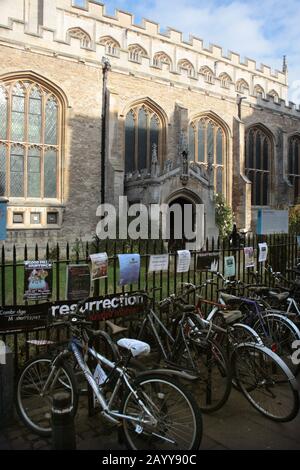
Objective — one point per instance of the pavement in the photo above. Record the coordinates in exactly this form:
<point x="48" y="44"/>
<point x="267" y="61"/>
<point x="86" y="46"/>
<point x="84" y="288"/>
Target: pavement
<point x="237" y="426"/>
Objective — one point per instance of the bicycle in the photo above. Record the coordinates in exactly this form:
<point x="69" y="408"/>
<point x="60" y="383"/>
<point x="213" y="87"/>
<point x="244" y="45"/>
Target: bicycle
<point x="182" y="349"/>
<point x="151" y="409"/>
<point x="263" y="378"/>
<point x="276" y="330"/>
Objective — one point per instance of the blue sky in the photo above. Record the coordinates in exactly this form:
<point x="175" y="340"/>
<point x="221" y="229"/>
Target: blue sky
<point x="264" y="30"/>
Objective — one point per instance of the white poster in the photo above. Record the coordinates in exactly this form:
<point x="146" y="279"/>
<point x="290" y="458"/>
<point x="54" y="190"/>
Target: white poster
<point x="183" y="261"/>
<point x="249" y="257"/>
<point x="229" y="266"/>
<point x="158" y="263"/>
<point x="99" y="265"/>
<point x="263" y="252"/>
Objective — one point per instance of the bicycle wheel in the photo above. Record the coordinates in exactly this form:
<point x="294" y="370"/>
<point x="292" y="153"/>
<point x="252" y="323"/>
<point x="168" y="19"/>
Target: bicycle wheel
<point x="206" y="359"/>
<point x="278" y="333"/>
<point x="266" y="381"/>
<point x="34" y="406"/>
<point x="178" y="418"/>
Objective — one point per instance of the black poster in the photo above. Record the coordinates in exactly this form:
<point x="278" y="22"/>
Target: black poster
<point x="78" y="282"/>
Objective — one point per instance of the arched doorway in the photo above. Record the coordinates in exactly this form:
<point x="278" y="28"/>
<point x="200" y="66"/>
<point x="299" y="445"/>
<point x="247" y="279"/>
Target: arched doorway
<point x="182" y="221"/>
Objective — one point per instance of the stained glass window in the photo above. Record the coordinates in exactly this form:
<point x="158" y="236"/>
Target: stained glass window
<point x="129" y="143"/>
<point x="258" y="160"/>
<point x="34" y="172"/>
<point x="2" y="169"/>
<point x="3" y="113"/>
<point x="294" y="166"/>
<point x="192" y="142"/>
<point x="27" y="170"/>
<point x="17" y="171"/>
<point x="142" y="131"/>
<point x="209" y="147"/>
<point x="51" y="122"/>
<point x="18" y="114"/>
<point x="50" y="174"/>
<point x="201" y="142"/>
<point x="35" y="116"/>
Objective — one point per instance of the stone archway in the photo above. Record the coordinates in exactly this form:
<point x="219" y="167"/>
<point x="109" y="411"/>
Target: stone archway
<point x="185" y="223"/>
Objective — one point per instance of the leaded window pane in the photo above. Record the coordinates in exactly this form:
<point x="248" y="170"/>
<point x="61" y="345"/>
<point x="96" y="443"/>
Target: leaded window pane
<point x="219" y="147"/>
<point x="35" y="117"/>
<point x="201" y="142"/>
<point x="154" y="133"/>
<point x="266" y="155"/>
<point x="210" y="142"/>
<point x="296" y="158"/>
<point x="3" y="114"/>
<point x="129" y="143"/>
<point x="192" y="142"/>
<point x="51" y="118"/>
<point x="17" y="171"/>
<point x="265" y="188"/>
<point x="291" y="157"/>
<point x="257" y="196"/>
<point x="18" y="114"/>
<point x="50" y="174"/>
<point x="142" y="139"/>
<point x="2" y="170"/>
<point x="220" y="180"/>
<point x="250" y="152"/>
<point x="258" y="151"/>
<point x="34" y="172"/>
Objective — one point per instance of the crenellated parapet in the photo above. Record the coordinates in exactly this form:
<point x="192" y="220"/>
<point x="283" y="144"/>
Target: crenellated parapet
<point x="87" y="32"/>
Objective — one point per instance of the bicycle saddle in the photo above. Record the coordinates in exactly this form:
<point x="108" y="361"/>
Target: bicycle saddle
<point x="115" y="329"/>
<point x="231" y="316"/>
<point x="279" y="296"/>
<point x="136" y="347"/>
<point x="229" y="297"/>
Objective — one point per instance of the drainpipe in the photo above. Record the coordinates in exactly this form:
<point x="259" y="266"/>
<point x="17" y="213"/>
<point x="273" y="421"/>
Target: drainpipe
<point x="106" y="67"/>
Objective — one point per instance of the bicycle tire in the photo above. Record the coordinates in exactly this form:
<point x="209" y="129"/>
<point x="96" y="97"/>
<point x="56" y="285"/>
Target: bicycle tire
<point x="207" y="359"/>
<point x="278" y="333"/>
<point x="161" y="389"/>
<point x="266" y="381"/>
<point x="36" y="378"/>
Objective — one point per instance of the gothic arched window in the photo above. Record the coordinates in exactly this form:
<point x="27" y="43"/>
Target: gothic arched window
<point x="29" y="141"/>
<point x="187" y="67"/>
<point x="136" y="53"/>
<point x="143" y="138"/>
<point x="242" y="86"/>
<point x="259" y="92"/>
<point x="225" y="80"/>
<point x="160" y="59"/>
<point x="294" y="165"/>
<point x="258" y="164"/>
<point x="112" y="47"/>
<point x="207" y="74"/>
<point x="207" y="147"/>
<point x="273" y="94"/>
<point x="83" y="36"/>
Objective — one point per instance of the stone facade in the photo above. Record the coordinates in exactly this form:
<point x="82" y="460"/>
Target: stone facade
<point x="60" y="46"/>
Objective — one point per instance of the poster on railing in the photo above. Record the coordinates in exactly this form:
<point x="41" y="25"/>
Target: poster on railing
<point x="208" y="262"/>
<point x="99" y="266"/>
<point x="263" y="252"/>
<point x="183" y="261"/>
<point x="249" y="257"/>
<point x="37" y="280"/>
<point x="23" y="317"/>
<point x="229" y="266"/>
<point x="158" y="263"/>
<point x="130" y="265"/>
<point x="78" y="281"/>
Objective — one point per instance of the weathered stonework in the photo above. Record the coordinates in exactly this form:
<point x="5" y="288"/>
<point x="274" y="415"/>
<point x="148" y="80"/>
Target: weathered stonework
<point x="63" y="45"/>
